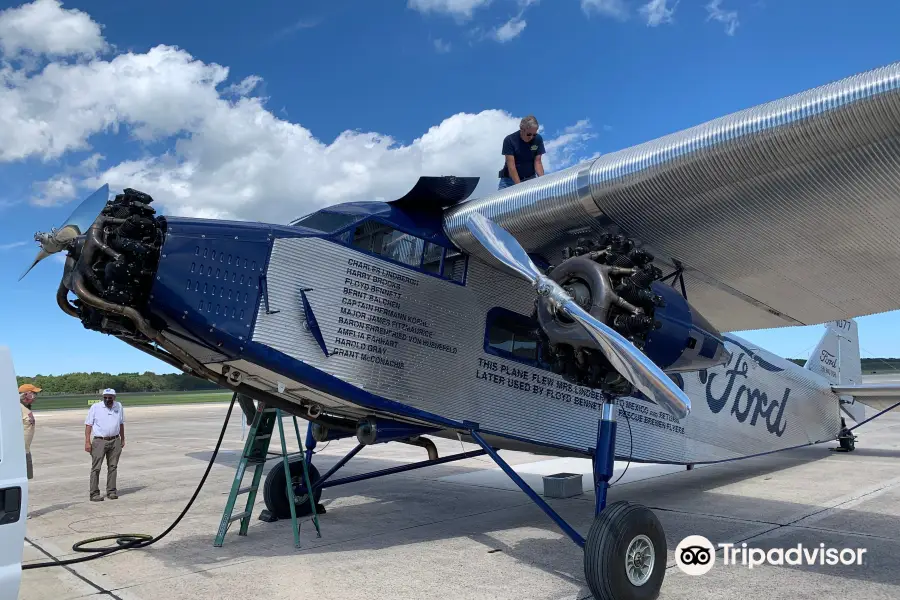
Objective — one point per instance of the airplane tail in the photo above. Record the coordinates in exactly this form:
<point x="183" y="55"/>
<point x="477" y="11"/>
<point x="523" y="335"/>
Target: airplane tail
<point x="836" y="358"/>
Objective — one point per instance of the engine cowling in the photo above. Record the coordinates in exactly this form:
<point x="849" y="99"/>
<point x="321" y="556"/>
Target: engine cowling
<point x="620" y="287"/>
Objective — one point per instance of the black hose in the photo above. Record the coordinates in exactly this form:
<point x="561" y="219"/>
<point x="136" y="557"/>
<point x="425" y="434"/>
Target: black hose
<point x="137" y="540"/>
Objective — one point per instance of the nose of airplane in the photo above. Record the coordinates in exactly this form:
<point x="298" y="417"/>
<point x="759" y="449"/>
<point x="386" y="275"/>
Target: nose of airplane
<point x="210" y="278"/>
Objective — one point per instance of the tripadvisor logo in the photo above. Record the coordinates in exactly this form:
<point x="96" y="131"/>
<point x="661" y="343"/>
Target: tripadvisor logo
<point x="696" y="555"/>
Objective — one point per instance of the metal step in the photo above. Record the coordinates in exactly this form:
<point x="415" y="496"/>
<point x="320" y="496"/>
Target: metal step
<point x="239" y="516"/>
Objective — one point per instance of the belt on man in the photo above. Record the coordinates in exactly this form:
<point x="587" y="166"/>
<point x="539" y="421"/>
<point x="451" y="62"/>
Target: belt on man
<point x="107" y="438"/>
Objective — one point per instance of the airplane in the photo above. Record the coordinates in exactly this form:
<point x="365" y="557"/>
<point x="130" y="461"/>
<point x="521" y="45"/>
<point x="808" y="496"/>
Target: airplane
<point x="578" y="314"/>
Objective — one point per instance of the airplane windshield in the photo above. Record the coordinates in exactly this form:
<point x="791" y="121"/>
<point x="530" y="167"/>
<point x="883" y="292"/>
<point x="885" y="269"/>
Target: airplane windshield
<point x="327" y="222"/>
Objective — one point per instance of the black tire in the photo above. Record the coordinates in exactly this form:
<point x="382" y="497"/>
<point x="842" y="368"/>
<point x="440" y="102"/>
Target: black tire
<point x="848" y="443"/>
<point x="612" y="534"/>
<point x="275" y="489"/>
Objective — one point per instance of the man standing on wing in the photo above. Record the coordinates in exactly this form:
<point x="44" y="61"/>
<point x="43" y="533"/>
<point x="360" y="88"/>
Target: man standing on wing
<point x="104" y="436"/>
<point x="522" y="152"/>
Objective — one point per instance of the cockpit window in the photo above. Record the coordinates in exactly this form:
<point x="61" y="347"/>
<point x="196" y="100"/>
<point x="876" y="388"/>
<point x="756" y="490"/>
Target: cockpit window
<point x="326" y="222"/>
<point x="381" y="239"/>
<point x="391" y="243"/>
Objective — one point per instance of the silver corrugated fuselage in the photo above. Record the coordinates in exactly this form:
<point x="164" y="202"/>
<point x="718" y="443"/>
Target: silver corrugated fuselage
<point x="419" y="341"/>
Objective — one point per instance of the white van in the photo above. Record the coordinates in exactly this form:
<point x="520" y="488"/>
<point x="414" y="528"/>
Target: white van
<point x="13" y="481"/>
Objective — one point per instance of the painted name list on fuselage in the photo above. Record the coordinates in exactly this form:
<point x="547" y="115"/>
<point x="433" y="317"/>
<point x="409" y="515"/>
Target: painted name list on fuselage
<point x="372" y="325"/>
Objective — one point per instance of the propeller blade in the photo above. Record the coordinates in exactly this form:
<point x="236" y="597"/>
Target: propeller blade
<point x="630" y="362"/>
<point x="41" y="255"/>
<point x="503" y="246"/>
<point x="76" y="224"/>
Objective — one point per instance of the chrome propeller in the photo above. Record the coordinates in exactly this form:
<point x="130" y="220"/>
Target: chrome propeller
<point x="77" y="224"/>
<point x="630" y="362"/>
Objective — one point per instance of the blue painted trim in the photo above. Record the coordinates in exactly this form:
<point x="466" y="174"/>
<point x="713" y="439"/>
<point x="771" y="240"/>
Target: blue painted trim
<point x="542" y="504"/>
<point x="264" y="289"/>
<point x="708" y="349"/>
<point x="425" y="225"/>
<point x="312" y="323"/>
<point x="337" y="466"/>
<point x="665" y="345"/>
<point x="300" y="488"/>
<point x="310" y="445"/>
<point x="603" y="462"/>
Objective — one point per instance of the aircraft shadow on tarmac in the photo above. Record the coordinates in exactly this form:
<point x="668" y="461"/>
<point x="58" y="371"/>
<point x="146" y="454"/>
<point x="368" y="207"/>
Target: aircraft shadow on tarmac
<point x="713" y="501"/>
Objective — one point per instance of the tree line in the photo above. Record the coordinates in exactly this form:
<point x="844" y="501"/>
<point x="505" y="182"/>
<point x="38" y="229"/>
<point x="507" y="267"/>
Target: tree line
<point x="91" y="383"/>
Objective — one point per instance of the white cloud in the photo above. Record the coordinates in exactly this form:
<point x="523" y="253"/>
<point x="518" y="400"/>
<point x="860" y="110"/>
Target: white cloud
<point x="569" y="146"/>
<point x="59" y="189"/>
<point x="610" y="8"/>
<point x="509" y="30"/>
<point x="295" y="27"/>
<point x="11" y="245"/>
<point x="657" y="12"/>
<point x="245" y="86"/>
<point x="229" y="156"/>
<point x="457" y="8"/>
<point x="44" y="27"/>
<point x="441" y="46"/>
<point x="162" y="92"/>
<point x="728" y="17"/>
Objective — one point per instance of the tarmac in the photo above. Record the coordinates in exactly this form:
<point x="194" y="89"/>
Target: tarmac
<point x="461" y="530"/>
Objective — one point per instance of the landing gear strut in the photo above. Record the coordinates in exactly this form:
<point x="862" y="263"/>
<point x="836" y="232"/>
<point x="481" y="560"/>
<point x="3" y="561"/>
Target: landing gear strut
<point x="625" y="550"/>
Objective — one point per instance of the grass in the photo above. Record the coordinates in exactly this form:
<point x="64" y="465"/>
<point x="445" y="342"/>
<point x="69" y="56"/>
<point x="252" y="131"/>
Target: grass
<point x="136" y="399"/>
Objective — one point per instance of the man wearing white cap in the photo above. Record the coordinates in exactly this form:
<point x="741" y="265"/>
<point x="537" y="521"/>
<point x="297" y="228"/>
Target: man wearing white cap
<point x="104" y="436"/>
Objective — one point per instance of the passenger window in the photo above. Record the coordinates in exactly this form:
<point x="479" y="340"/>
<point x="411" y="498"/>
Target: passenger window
<point x="455" y="266"/>
<point x="431" y="261"/>
<point x="512" y="334"/>
<point x="391" y="243"/>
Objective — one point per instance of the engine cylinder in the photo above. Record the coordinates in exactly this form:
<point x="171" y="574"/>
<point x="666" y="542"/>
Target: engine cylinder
<point x="590" y="277"/>
<point x="623" y="291"/>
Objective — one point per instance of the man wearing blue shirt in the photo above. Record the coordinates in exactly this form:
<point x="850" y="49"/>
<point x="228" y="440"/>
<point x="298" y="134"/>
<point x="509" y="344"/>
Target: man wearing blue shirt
<point x="522" y="151"/>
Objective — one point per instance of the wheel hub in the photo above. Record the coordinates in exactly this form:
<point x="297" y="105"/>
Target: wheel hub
<point x="639" y="560"/>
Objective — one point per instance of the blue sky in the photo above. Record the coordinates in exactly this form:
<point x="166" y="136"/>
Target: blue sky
<point x="271" y="109"/>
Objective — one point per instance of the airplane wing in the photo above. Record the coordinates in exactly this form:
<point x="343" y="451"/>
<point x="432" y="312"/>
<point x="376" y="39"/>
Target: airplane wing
<point x="783" y="214"/>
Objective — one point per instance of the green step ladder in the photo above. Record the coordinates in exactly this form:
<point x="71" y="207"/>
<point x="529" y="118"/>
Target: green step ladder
<point x="256" y="449"/>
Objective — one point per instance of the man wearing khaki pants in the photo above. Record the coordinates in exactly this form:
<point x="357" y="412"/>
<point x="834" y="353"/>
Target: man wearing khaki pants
<point x="104" y="436"/>
<point x="26" y="397"/>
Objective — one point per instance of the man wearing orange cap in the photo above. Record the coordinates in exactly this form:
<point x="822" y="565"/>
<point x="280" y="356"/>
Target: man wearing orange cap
<point x="26" y="397"/>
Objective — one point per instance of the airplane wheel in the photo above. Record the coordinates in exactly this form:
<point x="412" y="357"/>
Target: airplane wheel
<point x="848" y="443"/>
<point x="625" y="553"/>
<point x="275" y="490"/>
